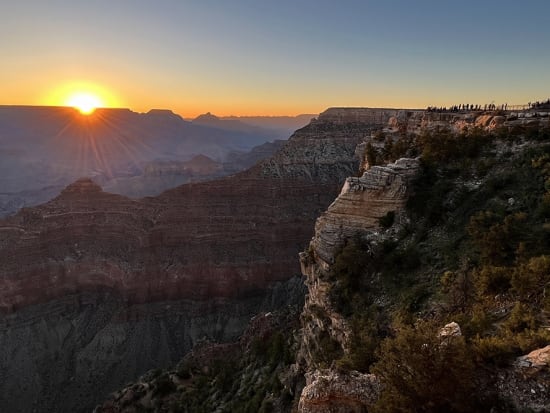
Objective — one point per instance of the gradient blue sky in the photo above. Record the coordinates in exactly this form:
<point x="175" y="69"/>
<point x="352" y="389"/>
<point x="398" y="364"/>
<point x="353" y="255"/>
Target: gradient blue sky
<point x="276" y="57"/>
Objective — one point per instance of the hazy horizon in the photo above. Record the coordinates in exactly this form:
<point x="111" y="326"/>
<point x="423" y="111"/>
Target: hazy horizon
<point x="191" y="117"/>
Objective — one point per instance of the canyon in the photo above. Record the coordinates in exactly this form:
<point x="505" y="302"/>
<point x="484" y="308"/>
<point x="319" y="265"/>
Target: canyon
<point x="43" y="149"/>
<point x="377" y="251"/>
<point x="98" y="288"/>
<point x="88" y="274"/>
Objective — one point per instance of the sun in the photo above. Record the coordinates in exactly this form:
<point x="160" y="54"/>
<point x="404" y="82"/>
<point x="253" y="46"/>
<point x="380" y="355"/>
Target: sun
<point x="84" y="96"/>
<point x="85" y="102"/>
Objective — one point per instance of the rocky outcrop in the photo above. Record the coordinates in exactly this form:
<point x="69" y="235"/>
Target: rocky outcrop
<point x="536" y="360"/>
<point x="328" y="391"/>
<point x="418" y="121"/>
<point x="360" y="205"/>
<point x="318" y="151"/>
<point x="356" y="211"/>
<point x="360" y="216"/>
<point x="450" y="330"/>
<point x="527" y="382"/>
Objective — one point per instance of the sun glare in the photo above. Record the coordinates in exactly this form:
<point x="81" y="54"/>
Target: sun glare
<point x="85" y="97"/>
<point x="85" y="102"/>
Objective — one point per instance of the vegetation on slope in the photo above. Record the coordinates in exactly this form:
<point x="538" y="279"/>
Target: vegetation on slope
<point x="476" y="251"/>
<point x="245" y="377"/>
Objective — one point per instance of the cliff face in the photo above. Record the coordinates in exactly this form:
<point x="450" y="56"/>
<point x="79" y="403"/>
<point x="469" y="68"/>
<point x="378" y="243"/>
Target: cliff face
<point x="332" y="392"/>
<point x="348" y="302"/>
<point x="68" y="354"/>
<point x="358" y="209"/>
<point x="356" y="116"/>
<point x="417" y="121"/>
<point x="213" y="250"/>
<point x="360" y="205"/>
<point x="96" y="288"/>
<point x="322" y="149"/>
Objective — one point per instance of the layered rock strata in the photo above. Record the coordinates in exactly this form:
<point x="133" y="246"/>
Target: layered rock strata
<point x="360" y="205"/>
<point x="213" y="250"/>
<point x="214" y="239"/>
<point x="417" y="121"/>
<point x="356" y="211"/>
<point x="350" y="116"/>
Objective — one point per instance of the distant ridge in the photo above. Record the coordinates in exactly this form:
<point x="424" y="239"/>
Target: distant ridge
<point x="51" y="146"/>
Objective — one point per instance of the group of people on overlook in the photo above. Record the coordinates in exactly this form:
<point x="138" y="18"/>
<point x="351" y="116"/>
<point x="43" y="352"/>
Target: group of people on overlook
<point x="545" y="104"/>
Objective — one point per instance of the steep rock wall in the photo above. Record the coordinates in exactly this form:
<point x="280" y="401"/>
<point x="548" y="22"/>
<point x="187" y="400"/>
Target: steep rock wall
<point x="356" y="211"/>
<point x="68" y="354"/>
<point x="361" y="203"/>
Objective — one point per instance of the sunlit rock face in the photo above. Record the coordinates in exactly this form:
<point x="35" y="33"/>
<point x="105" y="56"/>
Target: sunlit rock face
<point x="356" y="211"/>
<point x="527" y="381"/>
<point x="329" y="391"/>
<point x="210" y="254"/>
<point x="362" y="202"/>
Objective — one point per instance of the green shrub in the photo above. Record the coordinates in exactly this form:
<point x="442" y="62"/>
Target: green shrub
<point x="520" y="319"/>
<point x="475" y="321"/>
<point x="458" y="288"/>
<point x="367" y="333"/>
<point x="422" y="372"/>
<point x="372" y="156"/>
<point x="444" y="145"/>
<point x="493" y="280"/>
<point x="530" y="280"/>
<point x="402" y="259"/>
<point x="494" y="349"/>
<point x="497" y="238"/>
<point x="347" y="272"/>
<point x="163" y="385"/>
<point x="327" y="350"/>
<point x="544" y="206"/>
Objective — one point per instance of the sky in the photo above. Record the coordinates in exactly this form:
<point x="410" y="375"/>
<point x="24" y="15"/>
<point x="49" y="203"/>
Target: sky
<point x="284" y="57"/>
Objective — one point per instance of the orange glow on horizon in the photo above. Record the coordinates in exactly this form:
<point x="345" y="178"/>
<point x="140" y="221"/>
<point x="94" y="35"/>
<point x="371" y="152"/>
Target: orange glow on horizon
<point x="84" y="96"/>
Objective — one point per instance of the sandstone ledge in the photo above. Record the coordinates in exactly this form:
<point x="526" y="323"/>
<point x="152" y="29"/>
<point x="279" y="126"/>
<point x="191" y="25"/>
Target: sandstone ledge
<point x="328" y="391"/>
<point x="361" y="203"/>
